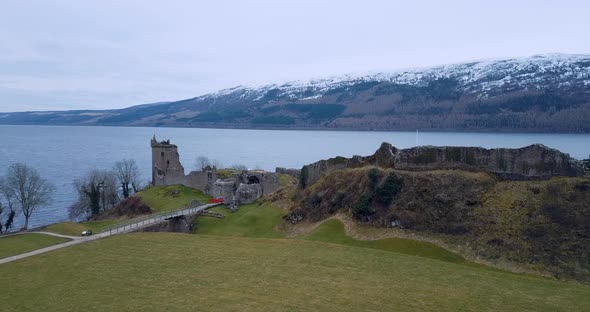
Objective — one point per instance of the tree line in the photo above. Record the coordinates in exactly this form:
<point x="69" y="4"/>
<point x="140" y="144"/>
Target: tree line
<point x="23" y="191"/>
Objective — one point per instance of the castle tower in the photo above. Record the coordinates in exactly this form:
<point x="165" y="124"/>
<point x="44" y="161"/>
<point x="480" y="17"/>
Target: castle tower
<point x="166" y="166"/>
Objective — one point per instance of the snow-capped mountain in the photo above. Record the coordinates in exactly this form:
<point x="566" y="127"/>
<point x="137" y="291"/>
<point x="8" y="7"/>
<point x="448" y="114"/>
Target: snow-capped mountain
<point x="536" y="72"/>
<point x="539" y="93"/>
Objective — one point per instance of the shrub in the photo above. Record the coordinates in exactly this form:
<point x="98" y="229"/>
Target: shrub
<point x="362" y="207"/>
<point x="453" y="154"/>
<point x="390" y="187"/>
<point x="303" y="177"/>
<point x="374" y="177"/>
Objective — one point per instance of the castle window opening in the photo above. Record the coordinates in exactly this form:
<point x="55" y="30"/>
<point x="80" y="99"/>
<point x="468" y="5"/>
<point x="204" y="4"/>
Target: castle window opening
<point x="167" y="162"/>
<point x="253" y="180"/>
<point x="162" y="154"/>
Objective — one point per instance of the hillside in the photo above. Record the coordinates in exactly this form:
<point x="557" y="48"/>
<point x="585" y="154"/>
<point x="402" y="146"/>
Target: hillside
<point x="544" y="93"/>
<point x="540" y="225"/>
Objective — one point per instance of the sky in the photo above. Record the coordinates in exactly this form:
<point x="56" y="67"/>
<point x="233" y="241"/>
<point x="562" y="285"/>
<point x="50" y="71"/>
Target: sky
<point x="61" y="55"/>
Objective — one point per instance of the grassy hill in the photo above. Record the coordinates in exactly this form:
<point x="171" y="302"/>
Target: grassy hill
<point x="167" y="198"/>
<point x="251" y="220"/>
<point x="539" y="225"/>
<point x="265" y="221"/>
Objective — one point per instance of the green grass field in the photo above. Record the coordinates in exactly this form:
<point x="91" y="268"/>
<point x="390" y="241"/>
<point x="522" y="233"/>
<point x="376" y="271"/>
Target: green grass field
<point x="18" y="244"/>
<point x="332" y="231"/>
<point x="75" y="229"/>
<point x="264" y="220"/>
<point x="249" y="221"/>
<point x="244" y="263"/>
<point x="179" y="272"/>
<point x="167" y="198"/>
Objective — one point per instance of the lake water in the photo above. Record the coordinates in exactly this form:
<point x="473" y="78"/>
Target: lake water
<point x="63" y="153"/>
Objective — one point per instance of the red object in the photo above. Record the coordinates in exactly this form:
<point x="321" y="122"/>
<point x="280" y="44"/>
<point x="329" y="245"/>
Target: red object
<point x="216" y="200"/>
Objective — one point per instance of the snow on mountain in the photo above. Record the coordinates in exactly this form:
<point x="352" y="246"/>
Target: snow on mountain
<point x="536" y="72"/>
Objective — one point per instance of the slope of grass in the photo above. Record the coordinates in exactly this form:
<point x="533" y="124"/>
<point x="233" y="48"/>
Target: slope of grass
<point x="250" y="221"/>
<point x="332" y="231"/>
<point x="166" y="198"/>
<point x="264" y="221"/>
<point x="176" y="272"/>
<point x="75" y="229"/>
<point x="286" y="180"/>
<point x="18" y="244"/>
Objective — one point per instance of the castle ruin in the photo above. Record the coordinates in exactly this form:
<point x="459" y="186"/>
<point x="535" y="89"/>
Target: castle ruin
<point x="242" y="188"/>
<point x="533" y="162"/>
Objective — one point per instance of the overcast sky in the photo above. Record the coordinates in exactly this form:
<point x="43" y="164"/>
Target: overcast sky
<point x="111" y="54"/>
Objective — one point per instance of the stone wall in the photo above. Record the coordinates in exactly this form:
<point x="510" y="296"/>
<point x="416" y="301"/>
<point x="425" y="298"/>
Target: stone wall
<point x="248" y="193"/>
<point x="527" y="163"/>
<point x="181" y="224"/>
<point x="312" y="172"/>
<point x="166" y="166"/>
<point x="225" y="189"/>
<point x="202" y="180"/>
<point x="167" y="170"/>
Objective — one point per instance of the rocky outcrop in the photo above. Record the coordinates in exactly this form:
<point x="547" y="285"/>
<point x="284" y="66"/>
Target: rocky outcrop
<point x="528" y="163"/>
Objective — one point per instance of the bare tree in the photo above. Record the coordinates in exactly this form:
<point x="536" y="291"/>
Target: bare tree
<point x="97" y="192"/>
<point x="28" y="189"/>
<point x="202" y="162"/>
<point x="1" y="211"/>
<point x="127" y="174"/>
<point x="6" y="201"/>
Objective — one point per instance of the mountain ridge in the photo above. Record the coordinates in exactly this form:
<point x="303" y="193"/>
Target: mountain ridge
<point x="541" y="93"/>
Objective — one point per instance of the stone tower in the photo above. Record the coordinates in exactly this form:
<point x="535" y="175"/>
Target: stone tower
<point x="166" y="166"/>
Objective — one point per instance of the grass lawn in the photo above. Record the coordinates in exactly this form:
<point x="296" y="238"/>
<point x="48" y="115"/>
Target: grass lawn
<point x="179" y="272"/>
<point x="249" y="221"/>
<point x="263" y="221"/>
<point x="18" y="244"/>
<point x="167" y="198"/>
<point x="75" y="229"/>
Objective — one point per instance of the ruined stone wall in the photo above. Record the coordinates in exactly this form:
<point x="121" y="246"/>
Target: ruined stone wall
<point x="269" y="181"/>
<point x="248" y="193"/>
<point x="166" y="166"/>
<point x="202" y="180"/>
<point x="312" y="172"/>
<point x="167" y="170"/>
<point x="531" y="162"/>
<point x="225" y="189"/>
